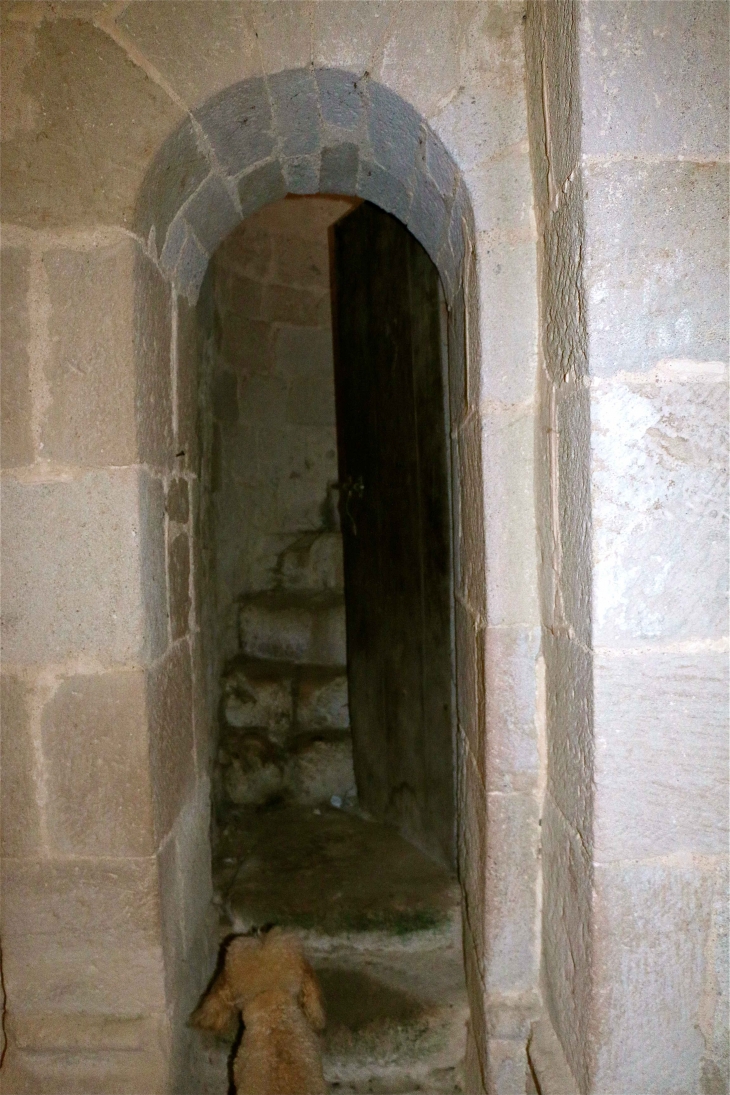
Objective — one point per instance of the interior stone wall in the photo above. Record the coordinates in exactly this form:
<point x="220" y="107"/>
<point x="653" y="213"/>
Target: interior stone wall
<point x="273" y="396"/>
<point x="628" y="118"/>
<point x="283" y="728"/>
<point x="113" y="202"/>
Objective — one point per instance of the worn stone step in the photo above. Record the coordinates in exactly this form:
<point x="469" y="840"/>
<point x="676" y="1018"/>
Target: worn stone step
<point x="313" y="562"/>
<point x="395" y="1019"/>
<point x="309" y="772"/>
<point x="300" y="627"/>
<point x="381" y="924"/>
<point x="284" y="697"/>
<point x="396" y="1023"/>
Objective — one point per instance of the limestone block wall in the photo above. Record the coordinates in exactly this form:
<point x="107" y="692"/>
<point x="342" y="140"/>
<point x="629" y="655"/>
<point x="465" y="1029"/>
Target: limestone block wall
<point x="628" y="107"/>
<point x="124" y="165"/>
<point x="273" y="396"/>
<point x="283" y="726"/>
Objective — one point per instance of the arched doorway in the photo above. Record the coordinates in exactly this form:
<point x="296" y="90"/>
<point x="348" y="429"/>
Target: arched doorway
<point x="306" y="835"/>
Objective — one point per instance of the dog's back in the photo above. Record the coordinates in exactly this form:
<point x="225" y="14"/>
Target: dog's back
<point x="268" y="980"/>
<point x="279" y="1053"/>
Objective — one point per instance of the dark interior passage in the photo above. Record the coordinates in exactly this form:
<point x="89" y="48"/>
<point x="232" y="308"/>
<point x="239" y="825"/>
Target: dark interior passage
<point x="333" y="782"/>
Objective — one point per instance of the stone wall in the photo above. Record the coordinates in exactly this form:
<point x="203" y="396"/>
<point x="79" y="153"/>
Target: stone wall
<point x="628" y="109"/>
<point x="284" y="722"/>
<point x="273" y="397"/>
<point x="123" y="169"/>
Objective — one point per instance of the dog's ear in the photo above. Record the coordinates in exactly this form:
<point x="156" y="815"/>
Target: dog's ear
<point x="217" y="1010"/>
<point x="310" y="998"/>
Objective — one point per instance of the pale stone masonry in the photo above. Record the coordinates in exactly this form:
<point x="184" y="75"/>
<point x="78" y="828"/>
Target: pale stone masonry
<point x="628" y="108"/>
<point x="565" y="165"/>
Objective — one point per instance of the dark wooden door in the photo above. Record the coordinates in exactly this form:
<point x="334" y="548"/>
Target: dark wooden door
<point x="395" y="513"/>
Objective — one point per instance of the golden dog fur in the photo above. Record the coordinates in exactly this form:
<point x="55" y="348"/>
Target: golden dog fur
<point x="268" y="980"/>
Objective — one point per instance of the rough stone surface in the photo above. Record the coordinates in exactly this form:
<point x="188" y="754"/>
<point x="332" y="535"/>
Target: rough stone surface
<point x="90" y="372"/>
<point x="259" y="694"/>
<point x="421" y="57"/>
<point x="393" y="128"/>
<point x="470" y="682"/>
<point x="153" y="388"/>
<point x="320" y="770"/>
<point x="169" y="713"/>
<point x="238" y="124"/>
<point x="314" y="562"/>
<point x="16" y="438"/>
<point x="567" y="956"/>
<point x="471" y="532"/>
<point x="61" y="916"/>
<point x="512" y="761"/>
<point x="661" y="755"/>
<point x="655" y="264"/>
<point x="512" y="956"/>
<point x="95" y="752"/>
<point x="20" y="808"/>
<point x="178" y="577"/>
<point x="570" y="744"/>
<point x="295" y="106"/>
<point x="348" y="38"/>
<point x="176" y="172"/>
<point x="177" y="504"/>
<point x="674" y="515"/>
<point x="339" y="170"/>
<point x="321" y="702"/>
<point x="502" y="194"/>
<point x="507" y="1066"/>
<point x="66" y="71"/>
<point x="211" y="212"/>
<point x="651" y="925"/>
<point x="278" y="443"/>
<point x="307" y="629"/>
<point x="71" y="566"/>
<point x="199" y="50"/>
<point x="380" y="187"/>
<point x="261" y="184"/>
<point x="654" y="79"/>
<point x="508" y="444"/>
<point x="341" y="98"/>
<point x="508" y="321"/>
<point x="153" y="562"/>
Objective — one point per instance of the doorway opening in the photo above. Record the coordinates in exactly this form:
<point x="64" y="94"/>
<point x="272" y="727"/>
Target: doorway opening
<point x="333" y="782"/>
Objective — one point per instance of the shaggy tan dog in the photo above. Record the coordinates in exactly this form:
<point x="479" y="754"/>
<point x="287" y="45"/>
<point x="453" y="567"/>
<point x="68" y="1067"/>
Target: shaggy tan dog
<point x="269" y="981"/>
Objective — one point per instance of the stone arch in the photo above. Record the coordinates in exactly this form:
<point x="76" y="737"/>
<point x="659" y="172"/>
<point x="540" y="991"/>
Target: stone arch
<point x="327" y="130"/>
<point x="300" y="131"/>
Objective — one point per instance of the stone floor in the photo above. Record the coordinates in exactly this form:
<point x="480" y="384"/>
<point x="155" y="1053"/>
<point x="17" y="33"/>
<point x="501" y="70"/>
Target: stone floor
<point x="381" y="924"/>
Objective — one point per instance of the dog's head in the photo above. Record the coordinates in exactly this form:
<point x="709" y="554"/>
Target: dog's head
<point x="273" y="961"/>
<point x="253" y="964"/>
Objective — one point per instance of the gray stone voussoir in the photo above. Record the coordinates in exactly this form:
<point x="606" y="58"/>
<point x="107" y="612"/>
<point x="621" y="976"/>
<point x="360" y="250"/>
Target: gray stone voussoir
<point x="379" y="186"/>
<point x="338" y="172"/>
<point x="238" y="124"/>
<point x="177" y="171"/>
<point x="295" y="105"/>
<point x="263" y="183"/>
<point x="191" y="266"/>
<point x="428" y="217"/>
<point x="302" y="174"/>
<point x="394" y="128"/>
<point x="341" y="98"/>
<point x="438" y="163"/>
<point x="211" y="213"/>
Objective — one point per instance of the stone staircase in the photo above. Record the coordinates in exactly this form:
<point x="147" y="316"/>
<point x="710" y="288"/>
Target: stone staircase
<point x="285" y="728"/>
<point x="380" y="923"/>
<point x="379" y="920"/>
